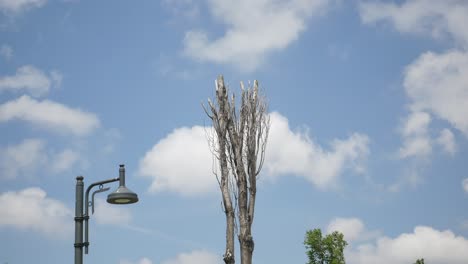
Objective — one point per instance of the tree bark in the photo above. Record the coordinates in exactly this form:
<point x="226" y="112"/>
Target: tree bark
<point x="241" y="142"/>
<point x="223" y="120"/>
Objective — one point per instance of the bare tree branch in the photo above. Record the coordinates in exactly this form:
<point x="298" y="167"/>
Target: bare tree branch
<point x="241" y="137"/>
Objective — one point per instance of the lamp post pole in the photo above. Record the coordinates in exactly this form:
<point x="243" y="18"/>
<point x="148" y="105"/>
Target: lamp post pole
<point x="121" y="196"/>
<point x="79" y="220"/>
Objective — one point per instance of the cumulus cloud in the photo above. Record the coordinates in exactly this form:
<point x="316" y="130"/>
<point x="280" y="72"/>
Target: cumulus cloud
<point x="21" y="159"/>
<point x="369" y="247"/>
<point x="465" y="185"/>
<point x="114" y="215"/>
<point x="437" y="83"/>
<point x="64" y="160"/>
<point x="30" y="155"/>
<point x="288" y="153"/>
<point x="31" y="210"/>
<point x="416" y="124"/>
<point x="17" y="6"/>
<point x="446" y="140"/>
<point x="141" y="261"/>
<point x="351" y="228"/>
<point x="437" y="247"/>
<point x="181" y="162"/>
<point x="29" y="78"/>
<point x="50" y="115"/>
<point x="6" y="52"/>
<point x="417" y="141"/>
<point x="433" y="17"/>
<point x="196" y="256"/>
<point x="254" y="29"/>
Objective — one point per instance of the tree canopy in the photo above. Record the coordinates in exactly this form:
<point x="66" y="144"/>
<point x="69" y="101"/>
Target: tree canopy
<point x="324" y="249"/>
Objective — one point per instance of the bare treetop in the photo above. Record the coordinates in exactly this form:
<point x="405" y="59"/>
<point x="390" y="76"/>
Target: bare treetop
<point x="239" y="145"/>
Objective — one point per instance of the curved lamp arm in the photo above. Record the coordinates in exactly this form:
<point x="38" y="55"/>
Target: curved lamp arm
<point x="86" y="213"/>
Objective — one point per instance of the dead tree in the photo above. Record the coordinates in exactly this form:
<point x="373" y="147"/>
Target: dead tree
<point x="238" y="145"/>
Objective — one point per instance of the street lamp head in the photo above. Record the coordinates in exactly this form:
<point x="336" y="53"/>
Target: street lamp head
<point x="122" y="196"/>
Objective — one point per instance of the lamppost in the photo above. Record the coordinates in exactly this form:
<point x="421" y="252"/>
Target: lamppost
<point x="120" y="196"/>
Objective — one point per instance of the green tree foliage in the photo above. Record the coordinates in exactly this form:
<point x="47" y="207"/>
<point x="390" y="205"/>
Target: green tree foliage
<point x="419" y="261"/>
<point x="325" y="250"/>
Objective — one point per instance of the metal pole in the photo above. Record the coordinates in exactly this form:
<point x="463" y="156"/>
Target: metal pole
<point x="79" y="220"/>
<point x="122" y="174"/>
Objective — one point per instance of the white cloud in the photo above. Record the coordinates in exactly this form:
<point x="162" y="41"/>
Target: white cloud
<point x="270" y="26"/>
<point x="433" y="17"/>
<point x="25" y="158"/>
<point x="437" y="83"/>
<point x="30" y="79"/>
<point x="6" y="52"/>
<point x="17" y="6"/>
<point x="182" y="161"/>
<point x="141" y="261"/>
<point x="31" y="209"/>
<point x="436" y="247"/>
<point x="50" y="115"/>
<point x="416" y="146"/>
<point x="106" y="214"/>
<point x="196" y="256"/>
<point x="416" y="124"/>
<point x="369" y="247"/>
<point x="145" y="261"/>
<point x="64" y="160"/>
<point x="417" y="142"/>
<point x="465" y="184"/>
<point x="447" y="140"/>
<point x="351" y="228"/>
<point x="290" y="152"/>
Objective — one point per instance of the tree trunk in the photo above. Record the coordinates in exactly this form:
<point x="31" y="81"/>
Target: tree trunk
<point x="228" y="209"/>
<point x="241" y="141"/>
<point x="221" y="131"/>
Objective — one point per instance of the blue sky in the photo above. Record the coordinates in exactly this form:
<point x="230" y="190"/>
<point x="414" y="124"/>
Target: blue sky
<point x="368" y="102"/>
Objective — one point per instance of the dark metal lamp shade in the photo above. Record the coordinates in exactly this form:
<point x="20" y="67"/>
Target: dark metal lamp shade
<point x="122" y="195"/>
